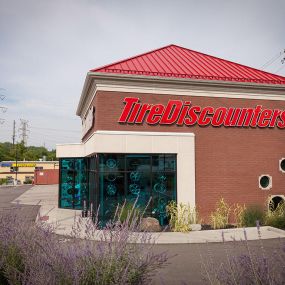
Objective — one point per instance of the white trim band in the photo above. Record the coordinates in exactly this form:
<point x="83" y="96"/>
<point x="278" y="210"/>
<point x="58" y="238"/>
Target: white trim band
<point x="181" y="144"/>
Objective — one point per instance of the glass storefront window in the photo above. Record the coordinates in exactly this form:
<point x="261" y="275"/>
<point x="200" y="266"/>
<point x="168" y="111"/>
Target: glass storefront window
<point x="111" y="162"/>
<point x="164" y="190"/>
<point x="73" y="183"/>
<point x="138" y="162"/>
<point x="164" y="162"/>
<point x="108" y="180"/>
<point x="111" y="193"/>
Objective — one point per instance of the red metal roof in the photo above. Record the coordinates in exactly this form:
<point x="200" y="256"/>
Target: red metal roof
<point x="179" y="62"/>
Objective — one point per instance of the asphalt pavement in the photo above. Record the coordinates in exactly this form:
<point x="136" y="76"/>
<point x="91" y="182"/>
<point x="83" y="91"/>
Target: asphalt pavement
<point x="10" y="193"/>
<point x="186" y="265"/>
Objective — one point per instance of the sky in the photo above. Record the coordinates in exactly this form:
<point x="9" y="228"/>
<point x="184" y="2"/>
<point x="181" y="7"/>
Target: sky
<point x="47" y="48"/>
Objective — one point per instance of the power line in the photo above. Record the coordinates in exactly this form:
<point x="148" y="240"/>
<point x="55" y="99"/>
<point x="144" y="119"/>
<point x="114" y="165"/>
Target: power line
<point x="33" y="134"/>
<point x="279" y="69"/>
<point x="48" y="129"/>
<point x="56" y="130"/>
<point x="2" y="108"/>
<point x="2" y="96"/>
<point x="273" y="59"/>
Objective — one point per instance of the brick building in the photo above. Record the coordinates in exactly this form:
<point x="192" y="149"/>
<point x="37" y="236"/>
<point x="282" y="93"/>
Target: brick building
<point x="175" y="124"/>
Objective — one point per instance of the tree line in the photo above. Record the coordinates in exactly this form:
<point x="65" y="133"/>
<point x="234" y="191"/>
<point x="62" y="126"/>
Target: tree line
<point x="8" y="152"/>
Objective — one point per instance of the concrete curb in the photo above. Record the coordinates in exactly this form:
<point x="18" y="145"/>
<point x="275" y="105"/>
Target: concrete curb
<point x="63" y="220"/>
<point x="276" y="230"/>
<point x="193" y="237"/>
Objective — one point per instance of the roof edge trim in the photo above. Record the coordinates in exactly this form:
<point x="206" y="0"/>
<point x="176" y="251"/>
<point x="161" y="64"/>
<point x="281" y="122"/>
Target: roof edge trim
<point x="97" y="76"/>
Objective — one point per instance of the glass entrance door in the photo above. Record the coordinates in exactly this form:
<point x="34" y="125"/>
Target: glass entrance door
<point x="140" y="178"/>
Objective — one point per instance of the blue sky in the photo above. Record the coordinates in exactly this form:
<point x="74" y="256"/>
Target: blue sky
<point x="47" y="47"/>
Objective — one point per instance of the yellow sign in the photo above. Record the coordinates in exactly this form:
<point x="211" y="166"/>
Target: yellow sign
<point x="23" y="164"/>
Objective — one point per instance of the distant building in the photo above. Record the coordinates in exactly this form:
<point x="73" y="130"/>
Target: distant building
<point x="24" y="171"/>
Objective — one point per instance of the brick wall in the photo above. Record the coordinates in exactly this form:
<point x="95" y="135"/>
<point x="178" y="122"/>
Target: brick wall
<point x="228" y="160"/>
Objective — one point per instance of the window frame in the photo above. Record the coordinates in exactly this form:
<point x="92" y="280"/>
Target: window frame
<point x="269" y="186"/>
<point x="280" y="161"/>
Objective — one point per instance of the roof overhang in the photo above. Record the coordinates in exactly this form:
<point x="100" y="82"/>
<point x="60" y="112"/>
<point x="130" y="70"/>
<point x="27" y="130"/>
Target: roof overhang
<point x="94" y="78"/>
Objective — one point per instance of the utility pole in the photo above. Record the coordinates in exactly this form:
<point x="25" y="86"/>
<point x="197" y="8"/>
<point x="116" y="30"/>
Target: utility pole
<point x="16" y="168"/>
<point x="24" y="131"/>
<point x="14" y="133"/>
<point x="15" y="147"/>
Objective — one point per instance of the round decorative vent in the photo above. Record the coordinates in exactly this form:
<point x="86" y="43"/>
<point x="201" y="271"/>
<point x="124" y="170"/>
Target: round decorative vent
<point x="265" y="182"/>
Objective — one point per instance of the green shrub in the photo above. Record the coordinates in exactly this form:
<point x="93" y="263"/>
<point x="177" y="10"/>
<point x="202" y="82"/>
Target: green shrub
<point x="251" y="215"/>
<point x="276" y="221"/>
<point x="276" y="218"/>
<point x="28" y="181"/>
<point x="3" y="181"/>
<point x="181" y="216"/>
<point x="220" y="218"/>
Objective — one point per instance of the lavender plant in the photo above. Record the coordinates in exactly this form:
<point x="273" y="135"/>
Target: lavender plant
<point x="32" y="254"/>
<point x="248" y="267"/>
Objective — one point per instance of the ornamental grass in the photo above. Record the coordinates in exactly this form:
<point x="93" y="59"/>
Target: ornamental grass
<point x="275" y="217"/>
<point x="219" y="219"/>
<point x="181" y="216"/>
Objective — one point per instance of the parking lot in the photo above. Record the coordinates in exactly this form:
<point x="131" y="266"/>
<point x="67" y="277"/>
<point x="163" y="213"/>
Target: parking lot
<point x="10" y="193"/>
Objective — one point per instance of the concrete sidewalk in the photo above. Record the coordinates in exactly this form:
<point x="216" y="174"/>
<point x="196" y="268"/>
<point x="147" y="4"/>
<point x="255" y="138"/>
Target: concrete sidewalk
<point x="47" y="197"/>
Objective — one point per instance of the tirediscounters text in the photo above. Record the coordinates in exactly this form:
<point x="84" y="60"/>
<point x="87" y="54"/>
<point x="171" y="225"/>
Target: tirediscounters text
<point x="184" y="113"/>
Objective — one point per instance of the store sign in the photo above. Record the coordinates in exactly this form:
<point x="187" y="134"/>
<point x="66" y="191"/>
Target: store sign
<point x="6" y="164"/>
<point x="20" y="164"/>
<point x="87" y="123"/>
<point x="184" y="113"/>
